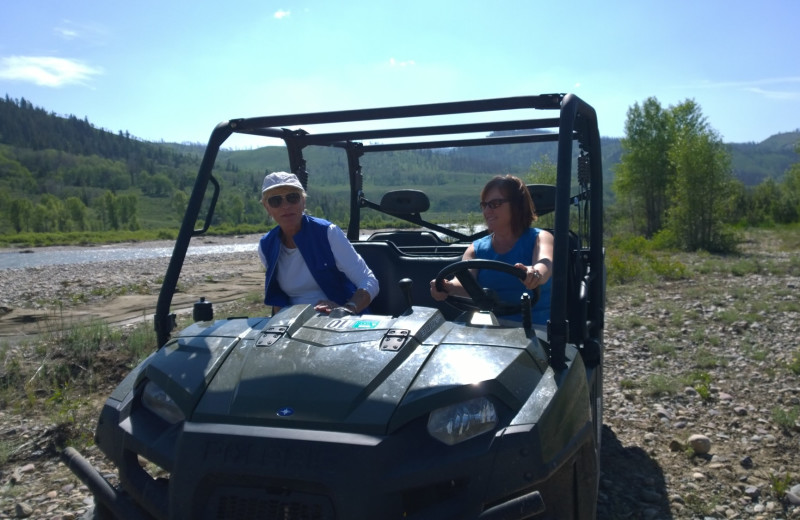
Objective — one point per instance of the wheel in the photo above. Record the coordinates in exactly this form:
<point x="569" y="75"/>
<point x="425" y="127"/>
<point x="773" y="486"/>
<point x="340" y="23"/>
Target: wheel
<point x="479" y="298"/>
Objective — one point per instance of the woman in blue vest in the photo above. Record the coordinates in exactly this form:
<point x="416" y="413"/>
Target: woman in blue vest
<point x="308" y="259"/>
<point x="509" y="212"/>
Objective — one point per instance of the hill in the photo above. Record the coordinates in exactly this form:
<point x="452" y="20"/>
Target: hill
<point x="753" y="163"/>
<point x="75" y="176"/>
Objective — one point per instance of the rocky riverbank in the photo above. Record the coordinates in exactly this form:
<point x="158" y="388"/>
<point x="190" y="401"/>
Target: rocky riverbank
<point x="117" y="291"/>
<point x="702" y="392"/>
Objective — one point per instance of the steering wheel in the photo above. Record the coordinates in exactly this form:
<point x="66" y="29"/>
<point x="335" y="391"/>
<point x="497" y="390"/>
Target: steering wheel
<point x="479" y="298"/>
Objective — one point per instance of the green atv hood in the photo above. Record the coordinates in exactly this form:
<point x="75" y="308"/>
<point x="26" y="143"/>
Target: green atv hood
<point x="367" y="374"/>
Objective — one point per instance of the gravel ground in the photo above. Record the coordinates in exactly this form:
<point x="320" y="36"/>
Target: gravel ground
<point x="701" y="401"/>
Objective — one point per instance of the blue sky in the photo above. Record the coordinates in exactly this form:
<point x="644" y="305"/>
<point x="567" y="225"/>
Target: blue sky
<point x="171" y="70"/>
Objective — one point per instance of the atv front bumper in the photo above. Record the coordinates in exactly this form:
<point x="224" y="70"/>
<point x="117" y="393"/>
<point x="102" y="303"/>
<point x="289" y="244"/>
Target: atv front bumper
<point x="238" y="472"/>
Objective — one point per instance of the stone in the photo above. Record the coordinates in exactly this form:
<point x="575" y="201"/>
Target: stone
<point x="793" y="495"/>
<point x="22" y="510"/>
<point x="700" y="444"/>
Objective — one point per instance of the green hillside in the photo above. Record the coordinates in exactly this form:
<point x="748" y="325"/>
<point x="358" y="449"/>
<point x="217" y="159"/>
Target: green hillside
<point x="61" y="174"/>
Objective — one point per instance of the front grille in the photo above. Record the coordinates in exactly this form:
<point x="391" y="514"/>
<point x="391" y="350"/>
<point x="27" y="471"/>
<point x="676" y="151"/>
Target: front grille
<point x="267" y="504"/>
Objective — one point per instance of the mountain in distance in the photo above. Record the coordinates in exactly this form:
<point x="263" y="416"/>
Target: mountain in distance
<point x="25" y="127"/>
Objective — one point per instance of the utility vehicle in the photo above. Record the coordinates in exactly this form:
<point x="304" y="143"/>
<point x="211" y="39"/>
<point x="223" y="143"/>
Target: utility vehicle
<point x="417" y="409"/>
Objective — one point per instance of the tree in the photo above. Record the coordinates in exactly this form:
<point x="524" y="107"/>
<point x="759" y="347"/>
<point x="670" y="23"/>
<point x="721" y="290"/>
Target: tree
<point x="109" y="211"/>
<point x="644" y="172"/>
<point x="179" y="202"/>
<point x="702" y="189"/>
<point x="128" y="211"/>
<point x="158" y="185"/>
<point x="20" y="214"/>
<point x="77" y="212"/>
<point x="543" y="171"/>
<point x="790" y="199"/>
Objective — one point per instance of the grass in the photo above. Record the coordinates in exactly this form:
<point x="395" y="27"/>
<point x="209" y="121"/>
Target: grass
<point x="58" y="377"/>
<point x="780" y="484"/>
<point x="794" y="365"/>
<point x="700" y="505"/>
<point x="72" y="356"/>
<point x="701" y="382"/>
<point x="786" y="419"/>
<point x="658" y="384"/>
<point x="636" y="260"/>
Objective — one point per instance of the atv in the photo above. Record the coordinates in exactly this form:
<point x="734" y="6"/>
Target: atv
<point x="418" y="409"/>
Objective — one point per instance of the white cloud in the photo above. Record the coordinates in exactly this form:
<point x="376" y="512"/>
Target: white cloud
<point x="755" y="86"/>
<point x="774" y="94"/>
<point x="281" y="14"/>
<point x="46" y="71"/>
<point x="745" y="84"/>
<point x="406" y="63"/>
<point x="67" y="34"/>
<point x="89" y="33"/>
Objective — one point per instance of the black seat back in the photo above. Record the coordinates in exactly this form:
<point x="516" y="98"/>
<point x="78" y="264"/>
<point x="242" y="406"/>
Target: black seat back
<point x="390" y="265"/>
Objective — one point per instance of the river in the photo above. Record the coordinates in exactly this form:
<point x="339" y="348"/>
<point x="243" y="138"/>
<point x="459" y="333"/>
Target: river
<point x="61" y="255"/>
<point x="45" y="256"/>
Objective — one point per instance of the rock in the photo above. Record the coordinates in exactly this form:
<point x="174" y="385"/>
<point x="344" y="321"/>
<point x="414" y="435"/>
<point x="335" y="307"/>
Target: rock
<point x="22" y="510"/>
<point x="793" y="495"/>
<point x="700" y="444"/>
<point x="752" y="491"/>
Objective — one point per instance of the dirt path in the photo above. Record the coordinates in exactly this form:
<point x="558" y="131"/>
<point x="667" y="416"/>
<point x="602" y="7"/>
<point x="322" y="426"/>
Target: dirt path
<point x="37" y="300"/>
<point x="20" y="323"/>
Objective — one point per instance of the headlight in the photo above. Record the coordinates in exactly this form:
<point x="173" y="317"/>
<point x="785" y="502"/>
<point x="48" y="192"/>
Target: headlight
<point x="157" y="401"/>
<point x="462" y="421"/>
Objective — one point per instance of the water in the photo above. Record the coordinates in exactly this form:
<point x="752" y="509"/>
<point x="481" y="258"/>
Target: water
<point x="61" y="256"/>
<point x="45" y="256"/>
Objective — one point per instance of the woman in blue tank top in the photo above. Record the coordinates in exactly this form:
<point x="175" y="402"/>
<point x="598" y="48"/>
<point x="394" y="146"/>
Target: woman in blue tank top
<point x="509" y="212"/>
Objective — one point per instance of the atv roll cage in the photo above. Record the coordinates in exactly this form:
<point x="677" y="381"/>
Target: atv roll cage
<point x="574" y="121"/>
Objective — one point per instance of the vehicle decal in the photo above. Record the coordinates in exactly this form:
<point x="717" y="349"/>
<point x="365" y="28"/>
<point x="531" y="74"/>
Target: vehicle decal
<point x="286" y="411"/>
<point x="366" y="324"/>
<point x="341" y="324"/>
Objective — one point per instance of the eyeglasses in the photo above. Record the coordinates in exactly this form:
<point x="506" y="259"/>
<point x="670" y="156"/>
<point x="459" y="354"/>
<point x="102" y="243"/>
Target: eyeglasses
<point x="276" y="200"/>
<point x="493" y="204"/>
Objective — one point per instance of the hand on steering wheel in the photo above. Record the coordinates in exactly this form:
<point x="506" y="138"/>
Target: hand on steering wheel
<point x="479" y="298"/>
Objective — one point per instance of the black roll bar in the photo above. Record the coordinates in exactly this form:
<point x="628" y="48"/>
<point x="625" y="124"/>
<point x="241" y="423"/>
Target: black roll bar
<point x="577" y="120"/>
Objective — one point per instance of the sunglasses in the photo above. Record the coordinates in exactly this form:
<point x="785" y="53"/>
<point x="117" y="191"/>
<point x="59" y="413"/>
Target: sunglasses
<point x="493" y="204"/>
<point x="276" y="200"/>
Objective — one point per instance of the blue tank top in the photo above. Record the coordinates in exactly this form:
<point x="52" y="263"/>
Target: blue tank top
<point x="509" y="288"/>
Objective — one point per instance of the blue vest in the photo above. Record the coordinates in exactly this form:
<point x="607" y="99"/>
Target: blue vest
<point x="508" y="288"/>
<point x="312" y="242"/>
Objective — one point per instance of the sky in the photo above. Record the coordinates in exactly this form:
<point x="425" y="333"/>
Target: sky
<point x="172" y="70"/>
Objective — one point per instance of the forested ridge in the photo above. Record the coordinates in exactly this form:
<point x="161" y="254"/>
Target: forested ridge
<point x="62" y="174"/>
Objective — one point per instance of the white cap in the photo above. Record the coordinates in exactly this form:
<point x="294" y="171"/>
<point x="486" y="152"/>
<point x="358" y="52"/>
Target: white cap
<point x="278" y="179"/>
